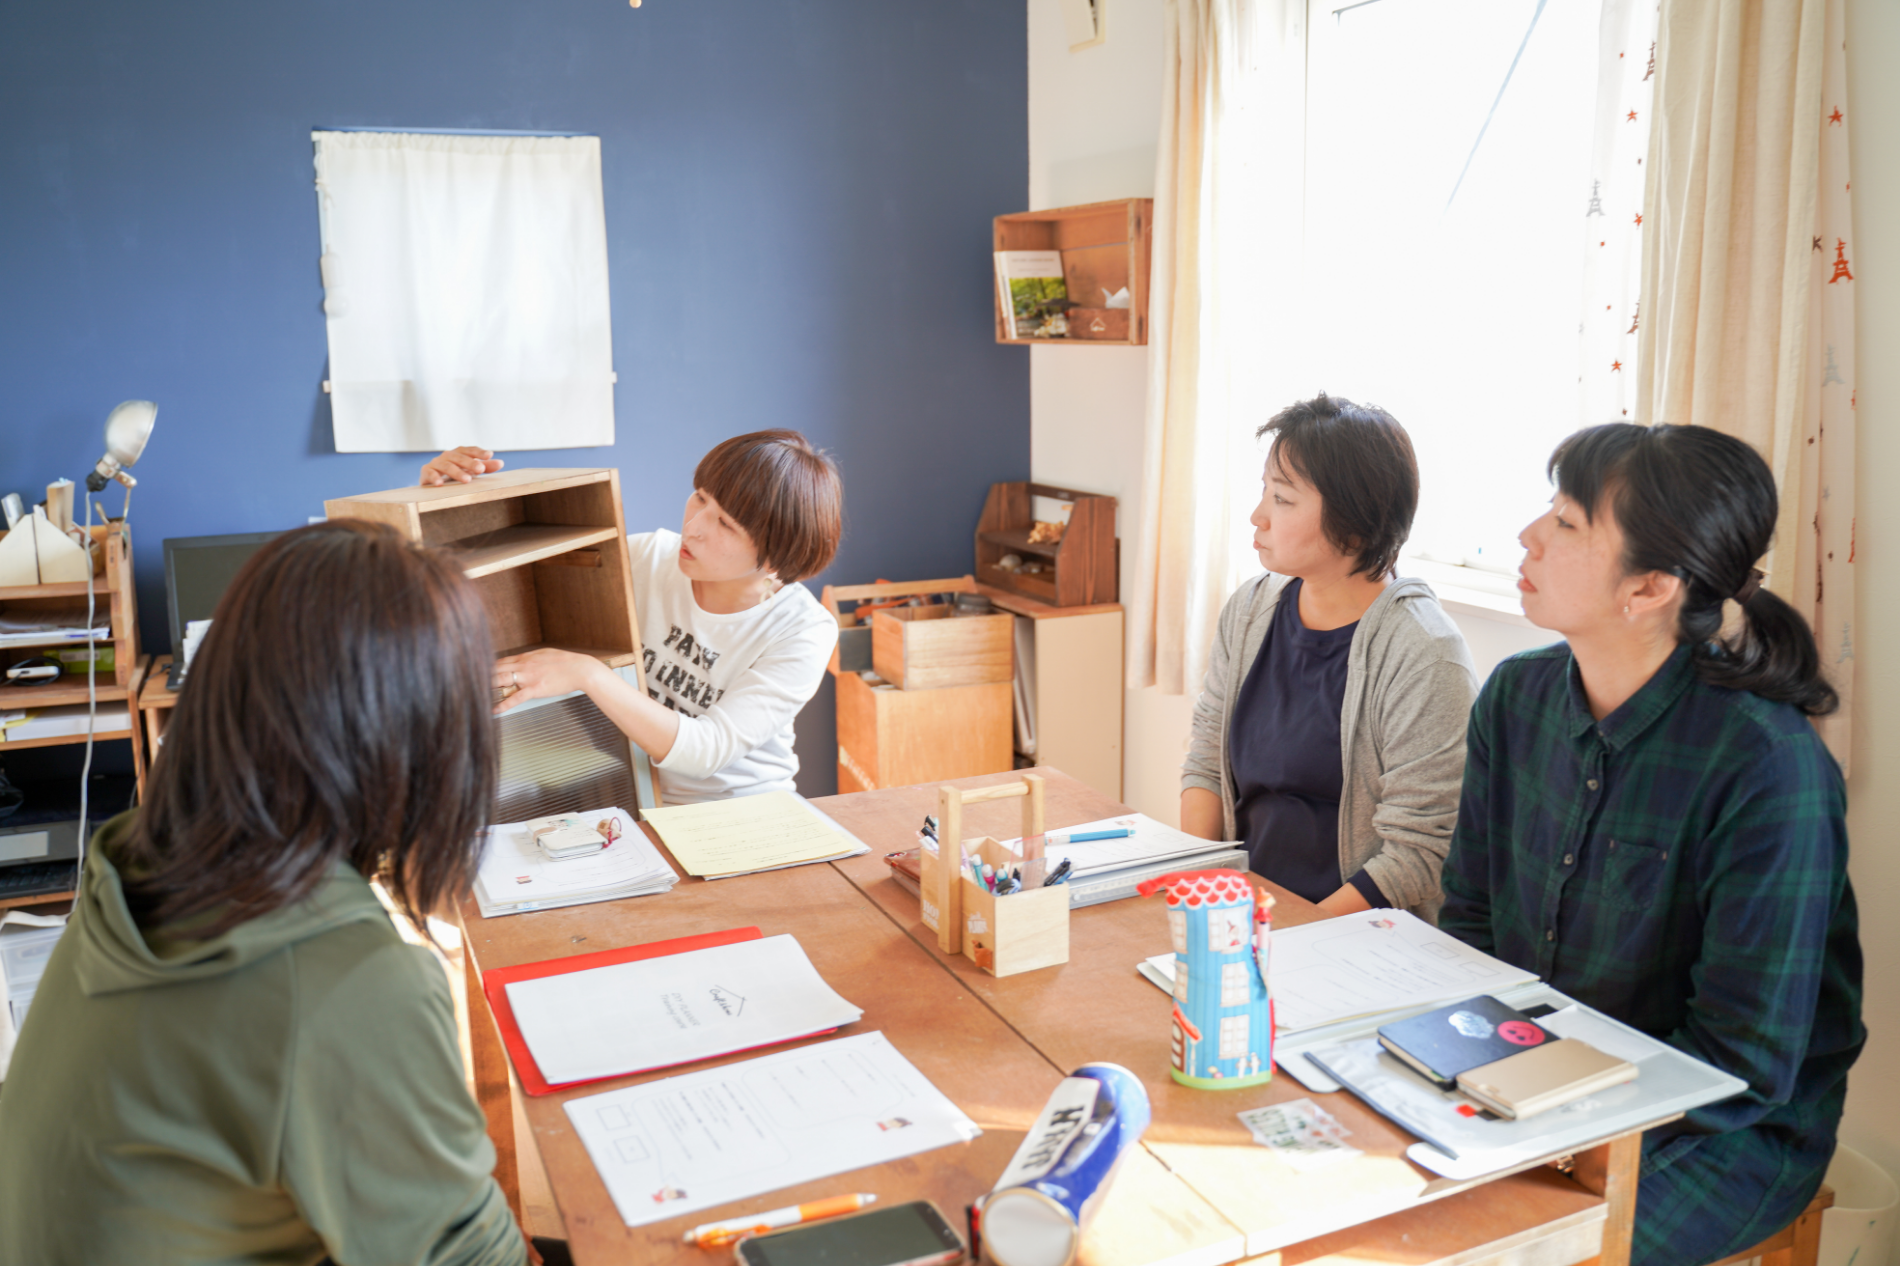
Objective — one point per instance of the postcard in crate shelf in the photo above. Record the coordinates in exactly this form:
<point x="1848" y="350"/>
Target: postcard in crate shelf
<point x="1033" y="293"/>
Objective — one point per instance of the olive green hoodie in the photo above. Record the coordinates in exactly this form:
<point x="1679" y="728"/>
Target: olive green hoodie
<point x="287" y="1090"/>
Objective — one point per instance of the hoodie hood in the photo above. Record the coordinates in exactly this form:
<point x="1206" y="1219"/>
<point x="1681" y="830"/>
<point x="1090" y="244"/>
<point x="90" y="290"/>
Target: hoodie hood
<point x="116" y="955"/>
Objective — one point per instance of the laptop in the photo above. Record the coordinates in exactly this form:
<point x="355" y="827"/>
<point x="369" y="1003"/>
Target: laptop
<point x="198" y="569"/>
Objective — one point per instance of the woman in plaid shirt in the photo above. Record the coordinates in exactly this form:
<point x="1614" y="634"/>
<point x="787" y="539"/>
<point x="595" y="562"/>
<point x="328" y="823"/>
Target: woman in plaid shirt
<point x="1651" y="824"/>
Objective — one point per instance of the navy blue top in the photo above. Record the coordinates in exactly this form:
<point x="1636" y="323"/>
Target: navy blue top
<point x="1283" y="750"/>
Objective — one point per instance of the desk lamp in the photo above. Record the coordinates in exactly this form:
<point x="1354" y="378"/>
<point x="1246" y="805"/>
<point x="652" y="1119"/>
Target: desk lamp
<point x="127" y="429"/>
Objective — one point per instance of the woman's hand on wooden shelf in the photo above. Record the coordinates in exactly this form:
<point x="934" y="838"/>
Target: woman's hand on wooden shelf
<point x="543" y="674"/>
<point x="460" y="465"/>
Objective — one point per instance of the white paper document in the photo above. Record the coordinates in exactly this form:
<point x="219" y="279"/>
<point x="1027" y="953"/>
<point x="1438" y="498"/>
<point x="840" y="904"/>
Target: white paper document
<point x="659" y="1012"/>
<point x="516" y="875"/>
<point x="1376" y="960"/>
<point x="687" y="1143"/>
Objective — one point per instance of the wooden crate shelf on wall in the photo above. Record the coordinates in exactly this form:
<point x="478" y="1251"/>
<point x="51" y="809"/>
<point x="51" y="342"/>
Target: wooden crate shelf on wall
<point x="545" y="547"/>
<point x="1105" y="246"/>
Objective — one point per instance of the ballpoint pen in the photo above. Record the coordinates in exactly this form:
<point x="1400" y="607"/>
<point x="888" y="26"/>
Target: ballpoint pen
<point x="720" y="1234"/>
<point x="1060" y="875"/>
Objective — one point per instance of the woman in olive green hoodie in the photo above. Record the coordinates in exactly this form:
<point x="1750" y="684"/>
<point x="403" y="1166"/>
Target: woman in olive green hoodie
<point x="233" y="1056"/>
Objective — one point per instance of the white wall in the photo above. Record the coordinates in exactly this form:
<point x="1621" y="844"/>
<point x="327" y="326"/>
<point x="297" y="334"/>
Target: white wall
<point x="1873" y="793"/>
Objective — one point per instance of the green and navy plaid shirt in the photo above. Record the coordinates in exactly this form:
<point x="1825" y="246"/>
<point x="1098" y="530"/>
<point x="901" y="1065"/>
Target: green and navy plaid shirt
<point x="1680" y="865"/>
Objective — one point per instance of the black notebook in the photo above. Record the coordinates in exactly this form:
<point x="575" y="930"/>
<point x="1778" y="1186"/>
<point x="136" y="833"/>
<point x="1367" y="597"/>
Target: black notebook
<point x="1465" y="1035"/>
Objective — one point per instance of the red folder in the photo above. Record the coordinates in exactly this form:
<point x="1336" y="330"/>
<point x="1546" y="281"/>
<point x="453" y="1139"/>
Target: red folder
<point x="494" y="985"/>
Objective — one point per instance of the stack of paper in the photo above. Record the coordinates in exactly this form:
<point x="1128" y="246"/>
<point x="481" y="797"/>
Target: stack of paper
<point x="516" y="875"/>
<point x="676" y="1009"/>
<point x="1147" y="842"/>
<point x="39" y="723"/>
<point x="1365" y="964"/>
<point x="747" y="834"/>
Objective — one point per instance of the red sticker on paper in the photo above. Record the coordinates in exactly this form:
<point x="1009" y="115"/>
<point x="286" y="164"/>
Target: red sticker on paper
<point x="1520" y="1032"/>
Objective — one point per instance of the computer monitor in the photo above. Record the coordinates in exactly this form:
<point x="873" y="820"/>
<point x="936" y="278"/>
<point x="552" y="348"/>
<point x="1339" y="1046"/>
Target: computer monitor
<point x="198" y="569"/>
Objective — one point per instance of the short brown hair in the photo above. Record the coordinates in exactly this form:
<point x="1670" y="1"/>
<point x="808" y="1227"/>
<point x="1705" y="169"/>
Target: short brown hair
<point x="784" y="493"/>
<point x="338" y="709"/>
<point x="1361" y="461"/>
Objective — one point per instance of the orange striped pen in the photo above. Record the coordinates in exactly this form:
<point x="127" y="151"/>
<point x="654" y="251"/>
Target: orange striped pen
<point x="721" y="1234"/>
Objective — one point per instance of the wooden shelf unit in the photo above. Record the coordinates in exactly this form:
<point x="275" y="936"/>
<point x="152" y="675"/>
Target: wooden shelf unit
<point x="1105" y="246"/>
<point x="1074" y="661"/>
<point x="116" y="607"/>
<point x="546" y="548"/>
<point x="1084" y="564"/>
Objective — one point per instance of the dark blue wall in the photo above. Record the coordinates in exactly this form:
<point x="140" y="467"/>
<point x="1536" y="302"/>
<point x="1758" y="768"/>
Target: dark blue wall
<point x="798" y="197"/>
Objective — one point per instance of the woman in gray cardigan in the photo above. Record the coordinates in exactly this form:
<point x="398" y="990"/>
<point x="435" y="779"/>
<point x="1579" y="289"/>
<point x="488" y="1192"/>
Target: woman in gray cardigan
<point x="1330" y="734"/>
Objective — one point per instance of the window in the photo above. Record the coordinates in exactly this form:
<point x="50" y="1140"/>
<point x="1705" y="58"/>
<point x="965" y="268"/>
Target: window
<point x="1233" y="1037"/>
<point x="1442" y="249"/>
<point x="1236" y="984"/>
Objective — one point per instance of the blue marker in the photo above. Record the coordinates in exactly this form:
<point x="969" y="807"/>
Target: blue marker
<point x="1083" y="837"/>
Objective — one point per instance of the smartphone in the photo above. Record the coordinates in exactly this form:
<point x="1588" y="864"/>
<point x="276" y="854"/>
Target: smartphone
<point x="913" y="1234"/>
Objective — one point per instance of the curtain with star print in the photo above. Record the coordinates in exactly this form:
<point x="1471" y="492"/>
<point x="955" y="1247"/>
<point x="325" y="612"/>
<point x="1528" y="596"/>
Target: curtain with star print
<point x="1613" y="216"/>
<point x="1747" y="323"/>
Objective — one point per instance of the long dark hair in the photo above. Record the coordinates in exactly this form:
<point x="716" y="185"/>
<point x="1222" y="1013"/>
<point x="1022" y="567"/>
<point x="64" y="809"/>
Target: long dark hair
<point x="338" y="708"/>
<point x="1701" y="505"/>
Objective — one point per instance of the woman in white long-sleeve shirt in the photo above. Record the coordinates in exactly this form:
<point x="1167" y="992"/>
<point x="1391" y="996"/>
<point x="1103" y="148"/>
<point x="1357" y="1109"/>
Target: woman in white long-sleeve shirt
<point x="734" y="648"/>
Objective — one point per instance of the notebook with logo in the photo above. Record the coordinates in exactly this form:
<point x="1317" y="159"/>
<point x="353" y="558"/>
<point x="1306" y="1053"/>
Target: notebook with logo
<point x="1465" y="1035"/>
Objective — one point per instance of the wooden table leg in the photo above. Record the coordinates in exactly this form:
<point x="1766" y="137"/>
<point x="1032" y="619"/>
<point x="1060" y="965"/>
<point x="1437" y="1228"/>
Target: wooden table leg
<point x="1612" y="1170"/>
<point x="491" y="1079"/>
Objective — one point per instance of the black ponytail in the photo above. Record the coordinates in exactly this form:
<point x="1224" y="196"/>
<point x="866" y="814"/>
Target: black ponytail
<point x="1701" y="505"/>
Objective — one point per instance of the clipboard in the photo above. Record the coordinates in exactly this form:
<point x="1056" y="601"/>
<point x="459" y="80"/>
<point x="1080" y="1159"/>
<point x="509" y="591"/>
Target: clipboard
<point x="495" y="982"/>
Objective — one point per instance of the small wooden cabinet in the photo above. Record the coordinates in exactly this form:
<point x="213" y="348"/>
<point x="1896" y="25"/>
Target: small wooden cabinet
<point x="1105" y="246"/>
<point x="545" y="547"/>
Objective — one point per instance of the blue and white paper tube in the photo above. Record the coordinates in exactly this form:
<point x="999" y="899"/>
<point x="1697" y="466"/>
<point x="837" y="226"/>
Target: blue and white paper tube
<point x="1058" y="1178"/>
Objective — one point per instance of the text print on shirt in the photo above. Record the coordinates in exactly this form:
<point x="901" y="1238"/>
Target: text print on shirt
<point x="674" y="676"/>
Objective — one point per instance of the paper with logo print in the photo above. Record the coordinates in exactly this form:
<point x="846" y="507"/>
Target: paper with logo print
<point x="677" y="1009"/>
<point x="683" y="1144"/>
<point x="1374" y="961"/>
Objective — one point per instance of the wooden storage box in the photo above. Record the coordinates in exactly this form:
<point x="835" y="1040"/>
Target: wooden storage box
<point x="925" y="648"/>
<point x="891" y="737"/>
<point x="546" y="549"/>
<point x="1105" y="246"/>
<point x="1019" y="932"/>
<point x="1081" y="569"/>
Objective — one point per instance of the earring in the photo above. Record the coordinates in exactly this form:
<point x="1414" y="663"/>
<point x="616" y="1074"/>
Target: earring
<point x="1626" y="610"/>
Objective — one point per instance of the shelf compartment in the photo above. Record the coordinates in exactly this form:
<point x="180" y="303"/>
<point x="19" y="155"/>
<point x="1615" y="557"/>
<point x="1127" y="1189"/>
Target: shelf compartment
<point x="613" y="659"/>
<point x="1016" y="541"/>
<point x="59" y="695"/>
<point x="57" y="740"/>
<point x="521" y="544"/>
<point x="101" y="585"/>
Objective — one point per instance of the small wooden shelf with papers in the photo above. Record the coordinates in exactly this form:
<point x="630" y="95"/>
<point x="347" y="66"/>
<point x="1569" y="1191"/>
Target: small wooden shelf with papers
<point x="1106" y="247"/>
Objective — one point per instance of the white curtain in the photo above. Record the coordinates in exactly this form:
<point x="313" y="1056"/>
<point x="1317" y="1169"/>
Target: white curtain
<point x="1613" y="216"/>
<point x="465" y="291"/>
<point x="1747" y="277"/>
<point x="1226" y="261"/>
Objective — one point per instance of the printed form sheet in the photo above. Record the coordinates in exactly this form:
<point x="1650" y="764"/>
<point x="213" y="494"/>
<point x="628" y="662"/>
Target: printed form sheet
<point x="1377" y="960"/>
<point x="688" y="1143"/>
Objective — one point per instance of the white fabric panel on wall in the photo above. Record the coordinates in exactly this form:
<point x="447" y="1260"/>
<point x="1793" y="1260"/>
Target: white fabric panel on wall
<point x="465" y="291"/>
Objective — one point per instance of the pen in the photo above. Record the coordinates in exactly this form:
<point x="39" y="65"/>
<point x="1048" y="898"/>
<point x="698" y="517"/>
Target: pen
<point x="989" y="876"/>
<point x="720" y="1234"/>
<point x="1083" y="837"/>
<point x="1060" y="875"/>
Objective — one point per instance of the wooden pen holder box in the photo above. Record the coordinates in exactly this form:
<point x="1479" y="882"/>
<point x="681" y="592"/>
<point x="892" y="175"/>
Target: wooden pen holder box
<point x="1017" y="932"/>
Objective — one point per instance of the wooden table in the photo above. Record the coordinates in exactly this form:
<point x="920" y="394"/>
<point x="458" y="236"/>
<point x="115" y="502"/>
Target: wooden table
<point x="1198" y="1192"/>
